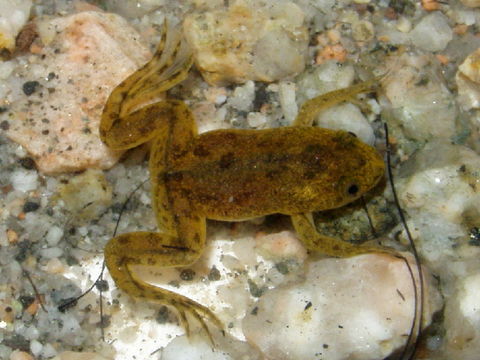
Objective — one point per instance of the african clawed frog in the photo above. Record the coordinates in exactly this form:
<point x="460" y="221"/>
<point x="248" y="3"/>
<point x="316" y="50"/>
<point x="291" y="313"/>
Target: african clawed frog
<point x="225" y="174"/>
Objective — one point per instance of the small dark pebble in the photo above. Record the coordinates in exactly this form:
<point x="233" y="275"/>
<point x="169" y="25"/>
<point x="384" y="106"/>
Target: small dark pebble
<point x="474" y="236"/>
<point x="254" y="311"/>
<point x="174" y="283"/>
<point x="23" y="248"/>
<point x="17" y="342"/>
<point x="26" y="300"/>
<point x="101" y="285"/>
<point x="3" y="109"/>
<point x="282" y="267"/>
<point x="29" y="87"/>
<point x="30" y="206"/>
<point x="255" y="290"/>
<point x="163" y="315"/>
<point x="71" y="261"/>
<point x="27" y="163"/>
<point x="187" y="274"/>
<point x="214" y="274"/>
<point x="261" y="97"/>
<point x="4" y="125"/>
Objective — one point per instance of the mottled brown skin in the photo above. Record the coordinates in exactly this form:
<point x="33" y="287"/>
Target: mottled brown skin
<point x="241" y="174"/>
<point x="225" y="174"/>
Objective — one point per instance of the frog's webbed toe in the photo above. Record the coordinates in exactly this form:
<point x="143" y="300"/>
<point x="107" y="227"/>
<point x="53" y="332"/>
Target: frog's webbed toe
<point x="185" y="306"/>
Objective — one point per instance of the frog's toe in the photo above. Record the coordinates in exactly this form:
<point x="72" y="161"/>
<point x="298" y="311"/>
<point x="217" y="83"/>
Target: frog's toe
<point x="199" y="312"/>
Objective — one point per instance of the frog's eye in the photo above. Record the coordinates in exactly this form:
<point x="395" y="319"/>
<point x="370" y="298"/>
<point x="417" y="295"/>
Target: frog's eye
<point x="352" y="133"/>
<point x="353" y="189"/>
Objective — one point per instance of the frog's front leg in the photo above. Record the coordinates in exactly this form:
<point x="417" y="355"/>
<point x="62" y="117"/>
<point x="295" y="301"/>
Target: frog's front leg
<point x="312" y="107"/>
<point x="314" y="241"/>
<point x="303" y="223"/>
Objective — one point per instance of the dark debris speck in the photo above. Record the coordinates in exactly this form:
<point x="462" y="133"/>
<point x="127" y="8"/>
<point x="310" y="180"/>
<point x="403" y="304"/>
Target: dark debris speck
<point x="163" y="315"/>
<point x="26" y="300"/>
<point x="187" y="274"/>
<point x="29" y="87"/>
<point x="282" y="267"/>
<point x="255" y="290"/>
<point x="214" y="274"/>
<point x="27" y="163"/>
<point x="4" y="125"/>
<point x="474" y="236"/>
<point x="101" y="285"/>
<point x="30" y="206"/>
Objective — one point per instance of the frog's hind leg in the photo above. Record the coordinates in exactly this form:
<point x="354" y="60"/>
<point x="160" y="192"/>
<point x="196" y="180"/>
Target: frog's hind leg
<point x="126" y="251"/>
<point x="311" y="108"/>
<point x="126" y="122"/>
<point x="183" y="233"/>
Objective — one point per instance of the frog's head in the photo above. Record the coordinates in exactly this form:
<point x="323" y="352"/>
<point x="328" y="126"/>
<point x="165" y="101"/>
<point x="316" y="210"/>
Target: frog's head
<point x="347" y="169"/>
<point x="360" y="167"/>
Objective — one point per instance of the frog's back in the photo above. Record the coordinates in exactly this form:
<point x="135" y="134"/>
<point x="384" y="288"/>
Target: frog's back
<point x="237" y="174"/>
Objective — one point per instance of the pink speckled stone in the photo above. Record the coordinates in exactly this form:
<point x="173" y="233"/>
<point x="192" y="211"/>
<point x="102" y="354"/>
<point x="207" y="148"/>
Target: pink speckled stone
<point x="89" y="53"/>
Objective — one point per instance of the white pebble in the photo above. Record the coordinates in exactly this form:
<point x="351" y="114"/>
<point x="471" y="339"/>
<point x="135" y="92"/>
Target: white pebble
<point x="432" y="33"/>
<point x="287" y="93"/>
<point x="50" y="253"/>
<point x="256" y="119"/>
<point x="54" y="235"/>
<point x="347" y="117"/>
<point x="345" y="309"/>
<point x="13" y="15"/>
<point x="6" y="68"/>
<point x="24" y="180"/>
<point x="470" y="301"/>
<point x="404" y="24"/>
<point x="243" y="96"/>
<point x="36" y="347"/>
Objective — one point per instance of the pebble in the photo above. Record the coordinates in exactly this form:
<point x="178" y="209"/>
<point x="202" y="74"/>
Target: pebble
<point x="471" y="3"/>
<point x="20" y="355"/>
<point x="432" y="33"/>
<point x="24" y="180"/>
<point x="280" y="246"/>
<point x="71" y="355"/>
<point x="347" y="117"/>
<point x="57" y="118"/>
<point x="308" y="320"/>
<point x="421" y="103"/>
<point x="14" y="15"/>
<point x="468" y="80"/>
<point x="439" y="188"/>
<point x="86" y="195"/>
<point x="248" y="42"/>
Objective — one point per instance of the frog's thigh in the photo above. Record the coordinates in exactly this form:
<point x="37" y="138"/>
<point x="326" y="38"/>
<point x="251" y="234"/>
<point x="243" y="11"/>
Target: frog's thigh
<point x="314" y="241"/>
<point x="167" y="150"/>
